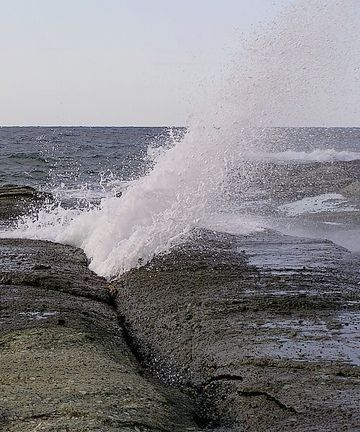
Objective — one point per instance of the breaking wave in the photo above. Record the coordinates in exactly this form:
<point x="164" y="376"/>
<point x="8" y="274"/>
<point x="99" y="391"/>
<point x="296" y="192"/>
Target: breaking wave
<point x="297" y="70"/>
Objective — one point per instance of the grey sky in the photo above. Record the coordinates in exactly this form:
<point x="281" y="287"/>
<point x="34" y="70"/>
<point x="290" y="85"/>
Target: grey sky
<point x="116" y="62"/>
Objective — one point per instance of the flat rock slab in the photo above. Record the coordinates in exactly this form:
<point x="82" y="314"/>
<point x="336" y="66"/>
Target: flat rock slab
<point x="64" y="362"/>
<point x="293" y="181"/>
<point x="18" y="200"/>
<point x="264" y="329"/>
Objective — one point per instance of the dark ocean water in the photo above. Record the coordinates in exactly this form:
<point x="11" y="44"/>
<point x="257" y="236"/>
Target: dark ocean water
<point x="47" y="158"/>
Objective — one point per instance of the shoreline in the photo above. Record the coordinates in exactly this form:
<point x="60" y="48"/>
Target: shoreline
<point x="253" y="333"/>
<point x="65" y="364"/>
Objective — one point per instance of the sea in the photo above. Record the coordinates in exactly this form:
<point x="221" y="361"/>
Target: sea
<point x="125" y="194"/>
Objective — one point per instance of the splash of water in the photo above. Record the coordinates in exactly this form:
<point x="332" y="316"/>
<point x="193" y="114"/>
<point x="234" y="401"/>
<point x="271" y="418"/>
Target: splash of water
<point x="155" y="212"/>
<point x="291" y="72"/>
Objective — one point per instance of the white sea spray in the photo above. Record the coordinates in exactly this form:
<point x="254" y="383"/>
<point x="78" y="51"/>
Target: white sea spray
<point x="301" y="70"/>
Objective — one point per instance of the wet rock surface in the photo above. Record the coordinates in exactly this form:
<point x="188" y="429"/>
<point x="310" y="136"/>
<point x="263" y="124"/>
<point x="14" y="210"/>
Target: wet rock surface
<point x="64" y="362"/>
<point x="296" y="181"/>
<point x="17" y="200"/>
<point x="262" y="329"/>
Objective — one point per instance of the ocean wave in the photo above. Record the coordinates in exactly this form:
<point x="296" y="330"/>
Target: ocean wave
<point x="153" y="213"/>
<point x="283" y="79"/>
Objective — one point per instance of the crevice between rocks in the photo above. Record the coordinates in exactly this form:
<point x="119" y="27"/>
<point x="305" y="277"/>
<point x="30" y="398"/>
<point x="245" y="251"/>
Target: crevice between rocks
<point x="223" y="377"/>
<point x="201" y="420"/>
<point x="206" y="414"/>
<point x="269" y="397"/>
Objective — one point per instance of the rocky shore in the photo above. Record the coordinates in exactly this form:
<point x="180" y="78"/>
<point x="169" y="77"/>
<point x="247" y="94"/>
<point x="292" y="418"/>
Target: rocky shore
<point x="263" y="329"/>
<point x="64" y="361"/>
<point x="18" y="200"/>
<point x="227" y="333"/>
<point x="283" y="181"/>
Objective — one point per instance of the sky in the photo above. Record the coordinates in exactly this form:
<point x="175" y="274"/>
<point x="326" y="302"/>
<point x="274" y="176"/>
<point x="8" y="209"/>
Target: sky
<point x="116" y="62"/>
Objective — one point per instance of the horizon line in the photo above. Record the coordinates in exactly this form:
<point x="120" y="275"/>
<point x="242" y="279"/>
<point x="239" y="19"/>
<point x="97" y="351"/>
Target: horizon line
<point x="167" y="126"/>
<point x="89" y="126"/>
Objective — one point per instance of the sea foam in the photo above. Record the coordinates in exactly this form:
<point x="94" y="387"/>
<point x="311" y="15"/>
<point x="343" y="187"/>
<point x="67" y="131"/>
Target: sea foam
<point x="154" y="213"/>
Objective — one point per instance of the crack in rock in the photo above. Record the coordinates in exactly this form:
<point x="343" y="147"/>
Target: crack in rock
<point x="269" y="397"/>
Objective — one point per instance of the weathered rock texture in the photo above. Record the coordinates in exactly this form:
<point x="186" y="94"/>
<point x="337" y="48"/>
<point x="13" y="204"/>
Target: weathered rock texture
<point x="64" y="363"/>
<point x="264" y="329"/>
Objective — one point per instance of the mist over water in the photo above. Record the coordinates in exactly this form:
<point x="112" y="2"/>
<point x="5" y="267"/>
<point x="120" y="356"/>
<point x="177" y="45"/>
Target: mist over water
<point x="302" y="70"/>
